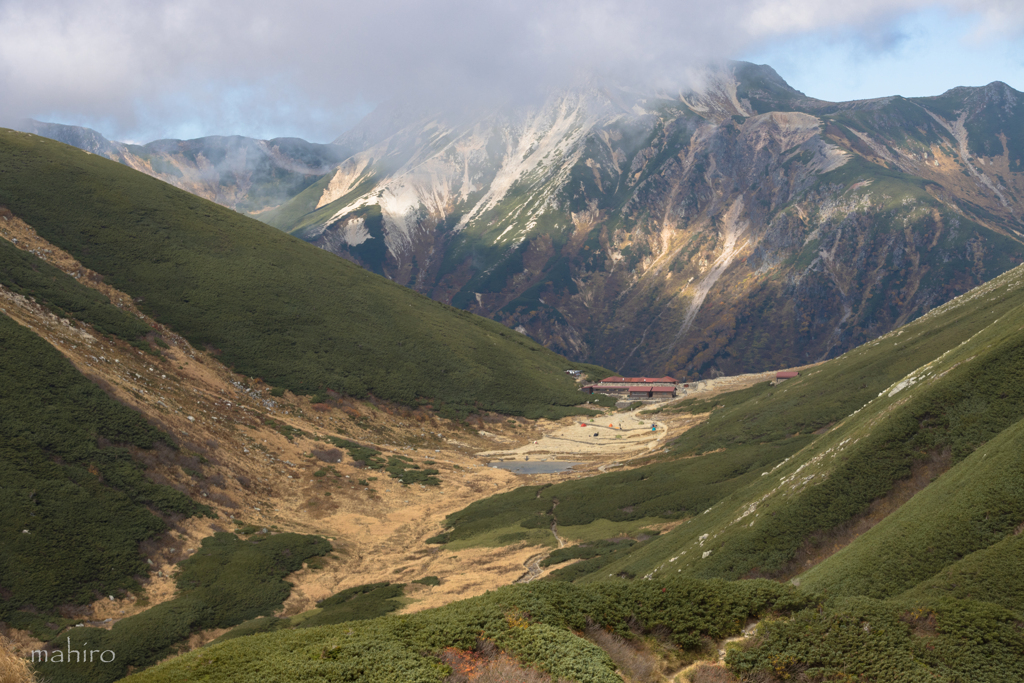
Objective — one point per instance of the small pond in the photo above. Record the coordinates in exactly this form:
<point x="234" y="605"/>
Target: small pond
<point x="534" y="467"/>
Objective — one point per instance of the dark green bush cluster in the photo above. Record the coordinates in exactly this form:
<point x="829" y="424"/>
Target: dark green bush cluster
<point x="403" y="469"/>
<point x="595" y="557"/>
<point x="72" y="511"/>
<point x="274" y="306"/>
<point x="536" y="623"/>
<point x="226" y="582"/>
<point x="370" y="457"/>
<point x="356" y="604"/>
<point x="751" y="431"/>
<point x="286" y="430"/>
<point x="30" y="276"/>
<point x="859" y="639"/>
<point x="254" y="626"/>
<point x="586" y="551"/>
<point x="368" y="601"/>
<point x="399" y="467"/>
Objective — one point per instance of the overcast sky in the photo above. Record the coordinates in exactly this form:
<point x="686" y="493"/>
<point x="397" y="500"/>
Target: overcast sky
<point x="139" y="71"/>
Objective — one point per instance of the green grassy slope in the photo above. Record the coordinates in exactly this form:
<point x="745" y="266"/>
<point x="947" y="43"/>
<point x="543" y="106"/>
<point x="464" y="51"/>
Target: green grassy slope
<point x="28" y="275"/>
<point x="759" y="447"/>
<point x="931" y="593"/>
<point x="972" y="507"/>
<point x="962" y="392"/>
<point x="991" y="574"/>
<point x="273" y="306"/>
<point x="85" y="507"/>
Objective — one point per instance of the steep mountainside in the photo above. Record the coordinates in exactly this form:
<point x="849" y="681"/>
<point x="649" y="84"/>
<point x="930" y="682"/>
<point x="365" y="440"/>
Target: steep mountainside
<point x="271" y="305"/>
<point x="736" y="226"/>
<point x="732" y="228"/>
<point x="101" y="511"/>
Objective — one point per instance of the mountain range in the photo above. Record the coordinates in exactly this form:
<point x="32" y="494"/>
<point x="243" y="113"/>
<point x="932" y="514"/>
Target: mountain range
<point x="734" y="226"/>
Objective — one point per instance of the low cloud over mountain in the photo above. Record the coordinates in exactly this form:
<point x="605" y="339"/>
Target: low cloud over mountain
<point x="148" y="70"/>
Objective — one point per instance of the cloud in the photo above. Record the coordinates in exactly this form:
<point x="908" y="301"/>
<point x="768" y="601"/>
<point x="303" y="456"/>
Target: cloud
<point x="182" y="67"/>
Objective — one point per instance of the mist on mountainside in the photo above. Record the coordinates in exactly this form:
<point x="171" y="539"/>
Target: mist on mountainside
<point x="141" y="72"/>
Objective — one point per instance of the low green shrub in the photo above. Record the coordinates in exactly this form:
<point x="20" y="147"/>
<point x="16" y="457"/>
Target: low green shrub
<point x="863" y="639"/>
<point x="356" y="604"/>
<point x="536" y="623"/>
<point x="74" y="504"/>
<point x="63" y="295"/>
<point x="226" y="582"/>
<point x="586" y="551"/>
<point x="406" y="472"/>
<point x="369" y="457"/>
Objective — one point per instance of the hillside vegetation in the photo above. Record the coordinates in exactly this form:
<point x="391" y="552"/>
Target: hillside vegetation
<point x="650" y="628"/>
<point x="272" y="305"/>
<point x="535" y="623"/>
<point x="74" y="504"/>
<point x="959" y="396"/>
<point x="30" y="276"/>
<point x="906" y="451"/>
<point x="757" y="430"/>
<point x="226" y="582"/>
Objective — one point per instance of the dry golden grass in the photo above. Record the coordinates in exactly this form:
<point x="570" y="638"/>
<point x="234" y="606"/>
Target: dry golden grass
<point x="710" y="673"/>
<point x="639" y="664"/>
<point x="13" y="669"/>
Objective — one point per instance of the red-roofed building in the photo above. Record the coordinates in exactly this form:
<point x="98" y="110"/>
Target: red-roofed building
<point x="635" y="387"/>
<point x="786" y="374"/>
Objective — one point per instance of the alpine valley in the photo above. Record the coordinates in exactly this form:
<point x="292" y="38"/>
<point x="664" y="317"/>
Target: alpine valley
<point x="277" y="447"/>
<point x="734" y="226"/>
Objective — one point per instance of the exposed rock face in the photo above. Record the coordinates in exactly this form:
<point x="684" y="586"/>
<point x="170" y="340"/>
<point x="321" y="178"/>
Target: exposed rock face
<point x="734" y="227"/>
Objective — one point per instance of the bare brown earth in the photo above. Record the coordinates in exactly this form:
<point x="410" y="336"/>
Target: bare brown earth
<point x="254" y="474"/>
